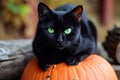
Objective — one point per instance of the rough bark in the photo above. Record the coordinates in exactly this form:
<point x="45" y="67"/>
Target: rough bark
<point x="14" y="54"/>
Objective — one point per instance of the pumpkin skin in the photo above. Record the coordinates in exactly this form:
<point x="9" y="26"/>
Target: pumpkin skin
<point x="93" y="67"/>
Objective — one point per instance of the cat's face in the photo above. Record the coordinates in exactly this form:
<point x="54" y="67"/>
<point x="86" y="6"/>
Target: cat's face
<point x="58" y="29"/>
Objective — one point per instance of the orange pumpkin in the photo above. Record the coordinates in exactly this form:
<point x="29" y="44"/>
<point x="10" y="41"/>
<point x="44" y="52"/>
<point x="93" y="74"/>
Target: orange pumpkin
<point x="93" y="67"/>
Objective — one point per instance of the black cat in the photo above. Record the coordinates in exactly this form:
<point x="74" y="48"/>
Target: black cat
<point x="63" y="35"/>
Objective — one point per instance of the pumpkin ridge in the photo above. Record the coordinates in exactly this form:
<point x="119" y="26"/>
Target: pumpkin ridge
<point x="100" y="63"/>
<point x="103" y="69"/>
<point x="30" y="70"/>
<point x="77" y="72"/>
<point x="66" y="71"/>
<point x="40" y="77"/>
<point x="53" y="73"/>
<point x="38" y="69"/>
<point x="45" y="74"/>
<point x="88" y="71"/>
<point x="57" y="72"/>
<point x="80" y="71"/>
<point x="48" y="73"/>
<point x="94" y="72"/>
<point x="35" y="75"/>
<point x="102" y="72"/>
<point x="74" y="73"/>
<point x="84" y="70"/>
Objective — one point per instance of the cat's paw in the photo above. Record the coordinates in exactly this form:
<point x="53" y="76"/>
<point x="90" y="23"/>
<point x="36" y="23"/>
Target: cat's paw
<point x="44" y="66"/>
<point x="73" y="61"/>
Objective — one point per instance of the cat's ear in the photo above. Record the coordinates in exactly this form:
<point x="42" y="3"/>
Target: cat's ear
<point x="43" y="11"/>
<point x="76" y="13"/>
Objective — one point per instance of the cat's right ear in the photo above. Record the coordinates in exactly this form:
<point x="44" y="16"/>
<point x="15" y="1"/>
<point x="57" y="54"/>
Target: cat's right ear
<point x="43" y="11"/>
<point x="75" y="14"/>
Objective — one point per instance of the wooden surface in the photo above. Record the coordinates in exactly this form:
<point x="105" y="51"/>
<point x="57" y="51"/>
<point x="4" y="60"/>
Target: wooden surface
<point x="14" y="54"/>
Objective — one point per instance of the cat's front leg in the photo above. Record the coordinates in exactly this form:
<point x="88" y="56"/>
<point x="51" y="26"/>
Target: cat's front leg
<point x="44" y="66"/>
<point x="73" y="61"/>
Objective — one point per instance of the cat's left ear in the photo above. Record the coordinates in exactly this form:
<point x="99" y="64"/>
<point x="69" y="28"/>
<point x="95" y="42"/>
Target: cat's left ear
<point x="43" y="11"/>
<point x="76" y="13"/>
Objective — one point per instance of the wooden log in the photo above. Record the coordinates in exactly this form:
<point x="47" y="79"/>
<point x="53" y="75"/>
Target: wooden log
<point x="111" y="43"/>
<point x="14" y="54"/>
<point x="118" y="53"/>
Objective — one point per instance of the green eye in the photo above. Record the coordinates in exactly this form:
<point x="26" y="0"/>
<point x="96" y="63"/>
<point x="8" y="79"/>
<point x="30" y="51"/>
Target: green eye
<point x="51" y="30"/>
<point x="68" y="31"/>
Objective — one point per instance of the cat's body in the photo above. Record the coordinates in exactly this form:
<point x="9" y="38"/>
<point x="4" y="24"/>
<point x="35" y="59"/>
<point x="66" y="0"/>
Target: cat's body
<point x="63" y="35"/>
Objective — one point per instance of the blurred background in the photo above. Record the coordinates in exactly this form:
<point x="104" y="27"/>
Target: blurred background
<point x="18" y="18"/>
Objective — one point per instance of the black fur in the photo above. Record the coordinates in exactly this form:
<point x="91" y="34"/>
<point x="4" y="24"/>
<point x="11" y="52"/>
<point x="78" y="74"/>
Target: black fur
<point x="53" y="48"/>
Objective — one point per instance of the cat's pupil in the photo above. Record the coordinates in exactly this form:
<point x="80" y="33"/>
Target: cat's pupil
<point x="51" y="30"/>
<point x="68" y="31"/>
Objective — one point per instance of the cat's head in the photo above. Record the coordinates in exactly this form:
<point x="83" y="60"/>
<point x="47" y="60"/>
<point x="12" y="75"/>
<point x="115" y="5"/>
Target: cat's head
<point x="58" y="29"/>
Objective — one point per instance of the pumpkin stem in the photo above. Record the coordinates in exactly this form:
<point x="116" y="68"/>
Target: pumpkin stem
<point x="54" y="66"/>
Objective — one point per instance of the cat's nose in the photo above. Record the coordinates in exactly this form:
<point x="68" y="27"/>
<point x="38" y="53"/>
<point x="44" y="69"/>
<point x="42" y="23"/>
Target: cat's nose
<point x="60" y="38"/>
<point x="59" y="42"/>
<point x="59" y="45"/>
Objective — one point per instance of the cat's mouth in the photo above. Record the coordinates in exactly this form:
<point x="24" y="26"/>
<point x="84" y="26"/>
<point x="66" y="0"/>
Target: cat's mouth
<point x="60" y="47"/>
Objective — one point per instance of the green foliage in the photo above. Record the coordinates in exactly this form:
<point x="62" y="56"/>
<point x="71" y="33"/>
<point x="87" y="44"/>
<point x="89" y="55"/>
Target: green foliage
<point x="22" y="9"/>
